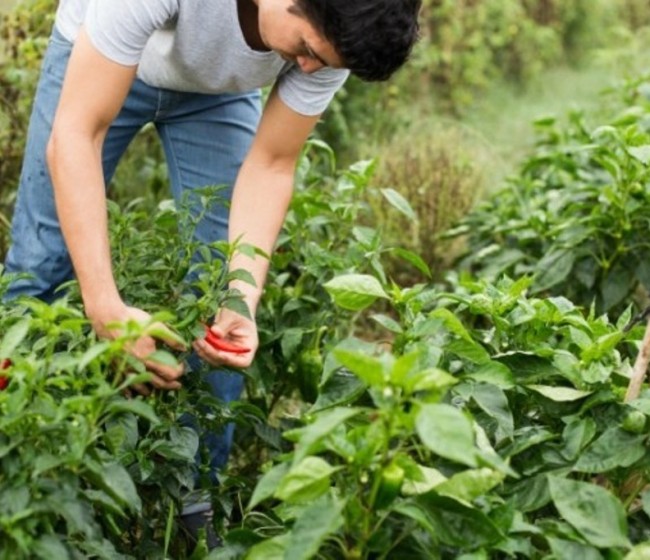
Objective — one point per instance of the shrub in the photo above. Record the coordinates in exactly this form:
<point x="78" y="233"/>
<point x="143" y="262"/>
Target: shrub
<point x="576" y="216"/>
<point x="439" y="173"/>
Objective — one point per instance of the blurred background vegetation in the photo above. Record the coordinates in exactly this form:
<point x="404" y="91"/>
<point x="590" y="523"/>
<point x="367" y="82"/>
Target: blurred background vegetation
<point x="445" y="131"/>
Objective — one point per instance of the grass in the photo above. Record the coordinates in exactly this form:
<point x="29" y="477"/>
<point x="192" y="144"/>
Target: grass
<point x="504" y="116"/>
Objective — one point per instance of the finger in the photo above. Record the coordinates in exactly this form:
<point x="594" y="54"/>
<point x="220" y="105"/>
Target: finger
<point x="218" y="357"/>
<point x="160" y="383"/>
<point x="144" y="348"/>
<point x="142" y="389"/>
<point x="164" y="374"/>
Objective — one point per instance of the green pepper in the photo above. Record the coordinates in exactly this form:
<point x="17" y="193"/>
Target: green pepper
<point x="634" y="422"/>
<point x="310" y="369"/>
<point x="392" y="477"/>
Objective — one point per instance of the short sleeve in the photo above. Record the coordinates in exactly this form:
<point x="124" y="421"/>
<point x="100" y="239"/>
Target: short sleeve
<point x="120" y="29"/>
<point x="310" y="94"/>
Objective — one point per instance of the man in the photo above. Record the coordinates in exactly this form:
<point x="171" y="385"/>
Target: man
<point x="193" y="68"/>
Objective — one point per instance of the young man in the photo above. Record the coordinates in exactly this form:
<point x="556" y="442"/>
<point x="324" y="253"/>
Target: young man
<point x="193" y="68"/>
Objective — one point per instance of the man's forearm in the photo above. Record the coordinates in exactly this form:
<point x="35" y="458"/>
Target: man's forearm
<point x="259" y="206"/>
<point x="75" y="166"/>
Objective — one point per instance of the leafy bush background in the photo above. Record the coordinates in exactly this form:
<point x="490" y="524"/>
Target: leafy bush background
<point x="475" y="418"/>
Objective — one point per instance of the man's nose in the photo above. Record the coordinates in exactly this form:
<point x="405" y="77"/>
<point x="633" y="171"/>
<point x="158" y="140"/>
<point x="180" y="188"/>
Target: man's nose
<point x="308" y="64"/>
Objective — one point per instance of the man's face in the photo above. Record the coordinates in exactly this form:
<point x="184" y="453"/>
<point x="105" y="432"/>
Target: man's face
<point x="288" y="33"/>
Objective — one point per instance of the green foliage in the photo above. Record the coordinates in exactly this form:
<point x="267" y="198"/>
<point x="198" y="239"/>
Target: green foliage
<point x="480" y="431"/>
<point x="23" y="37"/>
<point x="466" y="47"/>
<point x="323" y="235"/>
<point x="576" y="216"/>
<point x="86" y="469"/>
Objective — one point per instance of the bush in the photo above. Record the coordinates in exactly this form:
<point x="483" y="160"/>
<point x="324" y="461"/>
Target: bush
<point x="576" y="216"/>
<point x="439" y="173"/>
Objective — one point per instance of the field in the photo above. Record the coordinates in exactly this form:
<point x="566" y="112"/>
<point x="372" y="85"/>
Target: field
<point x="450" y="332"/>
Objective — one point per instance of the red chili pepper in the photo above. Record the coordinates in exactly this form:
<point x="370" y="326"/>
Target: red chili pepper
<point x="4" y="381"/>
<point x="221" y="344"/>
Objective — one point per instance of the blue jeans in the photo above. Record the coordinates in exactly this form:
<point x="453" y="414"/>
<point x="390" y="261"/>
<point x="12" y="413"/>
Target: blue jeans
<point x="205" y="139"/>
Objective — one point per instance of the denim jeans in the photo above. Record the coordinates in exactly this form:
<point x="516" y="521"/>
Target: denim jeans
<point x="205" y="139"/>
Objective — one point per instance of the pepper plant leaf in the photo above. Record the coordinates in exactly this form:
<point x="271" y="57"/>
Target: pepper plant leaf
<point x="355" y="291"/>
<point x="593" y="511"/>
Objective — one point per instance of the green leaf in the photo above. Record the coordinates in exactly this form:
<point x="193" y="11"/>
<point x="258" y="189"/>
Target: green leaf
<point x="182" y="445"/>
<point x="493" y="401"/>
<point x="270" y="549"/>
<point x="641" y="153"/>
<point x="325" y="424"/>
<point x="530" y="494"/>
<point x="13" y="338"/>
<point x="291" y="340"/>
<point x="134" y="406"/>
<point x="116" y="481"/>
<point x="616" y="285"/>
<point x="340" y="389"/>
<point x="446" y="431"/>
<point x="614" y="448"/>
<point x="494" y="373"/>
<point x="161" y="332"/>
<point x="372" y="371"/>
<point x="355" y="291"/>
<point x="553" y="269"/>
<point x="243" y="275"/>
<point x="268" y="484"/>
<point x="238" y="306"/>
<point x="430" y="379"/>
<point x="452" y="323"/>
<point x="91" y="354"/>
<point x="458" y="525"/>
<point x="416" y="513"/>
<point x="387" y="322"/>
<point x="592" y="511"/>
<point x="469" y="350"/>
<point x="468" y="485"/>
<point x="163" y="357"/>
<point x="639" y="552"/>
<point x="49" y="547"/>
<point x="426" y="481"/>
<point x="569" y="550"/>
<point x="414" y="259"/>
<point x="317" y="522"/>
<point x="305" y="481"/>
<point x="576" y="435"/>
<point x="528" y="367"/>
<point x="398" y="202"/>
<point x="559" y="394"/>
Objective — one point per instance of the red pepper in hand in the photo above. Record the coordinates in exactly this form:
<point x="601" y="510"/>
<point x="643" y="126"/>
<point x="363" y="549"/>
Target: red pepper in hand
<point x="4" y="381"/>
<point x="221" y="344"/>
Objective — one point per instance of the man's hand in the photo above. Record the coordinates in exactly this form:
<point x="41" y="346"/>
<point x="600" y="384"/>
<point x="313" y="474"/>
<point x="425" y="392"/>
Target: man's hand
<point x="234" y="329"/>
<point x="164" y="377"/>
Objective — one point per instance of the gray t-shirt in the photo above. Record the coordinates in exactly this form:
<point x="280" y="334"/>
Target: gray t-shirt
<point x="193" y="45"/>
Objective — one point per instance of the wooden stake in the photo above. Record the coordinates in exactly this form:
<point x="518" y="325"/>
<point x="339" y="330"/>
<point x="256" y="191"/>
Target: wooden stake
<point x="640" y="367"/>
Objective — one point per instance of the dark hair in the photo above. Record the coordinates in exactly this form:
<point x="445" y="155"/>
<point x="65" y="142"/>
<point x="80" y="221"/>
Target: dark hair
<point x="373" y="37"/>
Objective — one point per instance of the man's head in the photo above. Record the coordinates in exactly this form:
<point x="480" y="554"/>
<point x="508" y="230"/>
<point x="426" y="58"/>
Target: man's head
<point x="372" y="37"/>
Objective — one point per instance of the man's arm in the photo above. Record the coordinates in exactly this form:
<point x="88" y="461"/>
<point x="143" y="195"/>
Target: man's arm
<point x="93" y="92"/>
<point x="259" y="205"/>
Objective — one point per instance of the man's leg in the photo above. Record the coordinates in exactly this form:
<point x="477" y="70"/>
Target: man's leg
<point x="37" y="245"/>
<point x="206" y="139"/>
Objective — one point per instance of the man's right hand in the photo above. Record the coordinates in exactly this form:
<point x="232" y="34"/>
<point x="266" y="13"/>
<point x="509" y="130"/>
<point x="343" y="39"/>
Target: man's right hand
<point x="164" y="376"/>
